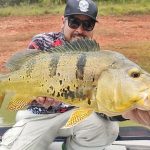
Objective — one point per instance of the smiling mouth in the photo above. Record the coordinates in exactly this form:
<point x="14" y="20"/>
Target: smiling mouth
<point x="78" y="36"/>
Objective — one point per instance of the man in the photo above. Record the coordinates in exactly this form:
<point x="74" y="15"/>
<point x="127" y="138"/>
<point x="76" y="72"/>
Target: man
<point x="37" y="127"/>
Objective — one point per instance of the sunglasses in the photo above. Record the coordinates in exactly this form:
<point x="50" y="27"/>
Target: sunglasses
<point x="87" y="25"/>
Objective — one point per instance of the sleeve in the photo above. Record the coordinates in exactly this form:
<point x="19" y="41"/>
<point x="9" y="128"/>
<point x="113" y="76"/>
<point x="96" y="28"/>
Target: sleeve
<point x="41" y="42"/>
<point x="91" y="135"/>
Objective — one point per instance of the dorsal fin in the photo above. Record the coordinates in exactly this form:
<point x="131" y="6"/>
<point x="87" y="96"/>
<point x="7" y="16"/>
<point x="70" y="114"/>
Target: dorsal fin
<point x="16" y="61"/>
<point x="80" y="45"/>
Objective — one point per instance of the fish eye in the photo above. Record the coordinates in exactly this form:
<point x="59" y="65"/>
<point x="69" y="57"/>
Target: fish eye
<point x="134" y="73"/>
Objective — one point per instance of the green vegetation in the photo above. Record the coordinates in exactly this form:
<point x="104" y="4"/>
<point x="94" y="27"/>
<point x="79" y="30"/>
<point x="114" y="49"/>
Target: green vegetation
<point x="128" y="123"/>
<point x="41" y="7"/>
<point x="30" y="10"/>
<point x="124" y="8"/>
<point x="58" y="2"/>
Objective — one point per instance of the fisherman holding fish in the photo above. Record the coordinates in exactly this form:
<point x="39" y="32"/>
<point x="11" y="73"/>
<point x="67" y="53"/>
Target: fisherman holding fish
<point x="37" y="127"/>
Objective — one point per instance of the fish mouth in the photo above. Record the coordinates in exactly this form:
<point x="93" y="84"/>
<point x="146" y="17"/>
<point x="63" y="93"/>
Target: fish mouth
<point x="142" y="103"/>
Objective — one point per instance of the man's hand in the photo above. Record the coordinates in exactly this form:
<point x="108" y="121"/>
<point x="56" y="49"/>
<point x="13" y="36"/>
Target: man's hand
<point x="139" y="116"/>
<point x="47" y="102"/>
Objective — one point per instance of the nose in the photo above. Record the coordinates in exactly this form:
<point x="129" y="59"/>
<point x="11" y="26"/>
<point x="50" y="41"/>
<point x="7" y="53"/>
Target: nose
<point x="80" y="29"/>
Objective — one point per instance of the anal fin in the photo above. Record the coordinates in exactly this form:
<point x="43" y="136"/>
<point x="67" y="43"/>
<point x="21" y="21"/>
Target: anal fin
<point x="19" y="102"/>
<point x="77" y="116"/>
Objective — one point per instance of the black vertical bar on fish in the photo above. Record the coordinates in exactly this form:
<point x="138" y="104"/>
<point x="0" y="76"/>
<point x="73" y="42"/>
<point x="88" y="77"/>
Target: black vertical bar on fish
<point x="30" y="67"/>
<point x="80" y="66"/>
<point x="53" y="64"/>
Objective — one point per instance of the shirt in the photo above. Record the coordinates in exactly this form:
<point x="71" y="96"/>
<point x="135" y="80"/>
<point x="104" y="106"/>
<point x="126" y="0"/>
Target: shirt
<point x="46" y="41"/>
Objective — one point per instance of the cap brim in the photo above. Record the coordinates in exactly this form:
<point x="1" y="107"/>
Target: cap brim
<point x="66" y="15"/>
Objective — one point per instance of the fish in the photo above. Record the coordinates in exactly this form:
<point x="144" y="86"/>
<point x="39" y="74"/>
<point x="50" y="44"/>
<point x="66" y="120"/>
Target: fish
<point x="80" y="74"/>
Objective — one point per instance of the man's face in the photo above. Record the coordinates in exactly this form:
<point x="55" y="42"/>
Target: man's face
<point x="78" y="26"/>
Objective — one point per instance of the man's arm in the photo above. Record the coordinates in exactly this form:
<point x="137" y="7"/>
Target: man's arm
<point x="41" y="42"/>
<point x="139" y="116"/>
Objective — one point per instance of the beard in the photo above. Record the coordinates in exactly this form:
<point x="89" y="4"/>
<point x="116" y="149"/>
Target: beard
<point x="77" y="36"/>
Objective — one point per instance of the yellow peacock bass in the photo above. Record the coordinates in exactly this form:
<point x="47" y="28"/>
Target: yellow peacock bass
<point x="78" y="74"/>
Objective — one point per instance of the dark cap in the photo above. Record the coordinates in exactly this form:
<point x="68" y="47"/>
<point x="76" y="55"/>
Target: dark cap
<point x="81" y="7"/>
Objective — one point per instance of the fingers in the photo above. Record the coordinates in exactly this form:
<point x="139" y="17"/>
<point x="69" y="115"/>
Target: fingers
<point x="40" y="100"/>
<point x="130" y="115"/>
<point x="144" y="117"/>
<point x="139" y="116"/>
<point x="47" y="102"/>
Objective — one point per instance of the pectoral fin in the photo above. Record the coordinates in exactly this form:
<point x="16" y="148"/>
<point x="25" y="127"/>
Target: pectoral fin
<point x="77" y="116"/>
<point x="19" y="102"/>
